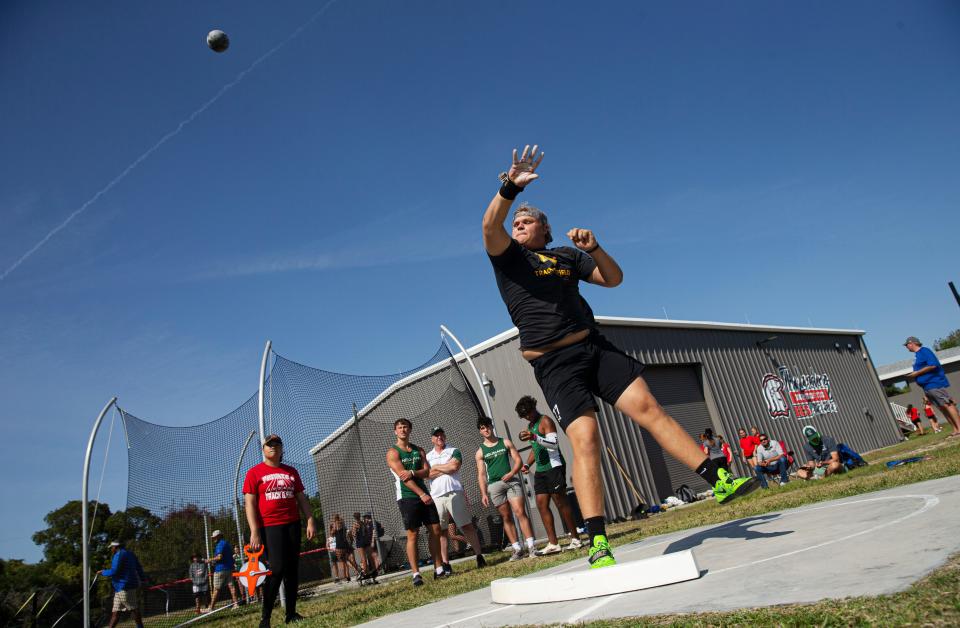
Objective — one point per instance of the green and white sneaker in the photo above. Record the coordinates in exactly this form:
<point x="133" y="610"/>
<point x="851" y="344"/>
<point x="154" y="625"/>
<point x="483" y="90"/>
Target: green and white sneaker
<point x="600" y="554"/>
<point x="728" y="487"/>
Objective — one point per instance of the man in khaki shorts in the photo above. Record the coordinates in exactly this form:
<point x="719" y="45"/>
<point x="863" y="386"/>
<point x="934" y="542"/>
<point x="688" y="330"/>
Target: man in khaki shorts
<point x="498" y="463"/>
<point x="127" y="575"/>
<point x="222" y="561"/>
<point x="447" y="493"/>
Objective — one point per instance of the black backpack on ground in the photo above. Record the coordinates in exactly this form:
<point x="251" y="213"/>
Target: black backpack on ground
<point x="685" y="494"/>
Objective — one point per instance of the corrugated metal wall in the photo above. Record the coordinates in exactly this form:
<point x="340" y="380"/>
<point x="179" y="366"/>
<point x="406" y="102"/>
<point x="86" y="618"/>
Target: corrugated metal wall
<point x="730" y="366"/>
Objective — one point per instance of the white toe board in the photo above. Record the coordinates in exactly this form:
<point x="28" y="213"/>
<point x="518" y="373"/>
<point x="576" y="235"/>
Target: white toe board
<point x="576" y="585"/>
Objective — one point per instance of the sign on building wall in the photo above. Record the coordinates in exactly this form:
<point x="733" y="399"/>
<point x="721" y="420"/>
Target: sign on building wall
<point x="808" y="394"/>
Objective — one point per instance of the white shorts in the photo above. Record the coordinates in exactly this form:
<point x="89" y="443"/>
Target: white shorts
<point x="452" y="505"/>
<point x="125" y="601"/>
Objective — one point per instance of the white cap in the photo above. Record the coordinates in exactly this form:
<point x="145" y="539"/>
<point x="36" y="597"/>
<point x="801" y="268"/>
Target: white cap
<point x="115" y="544"/>
<point x="216" y="533"/>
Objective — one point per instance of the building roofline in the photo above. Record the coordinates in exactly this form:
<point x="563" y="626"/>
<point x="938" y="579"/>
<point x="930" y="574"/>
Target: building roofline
<point x="676" y="324"/>
<point x="511" y="333"/>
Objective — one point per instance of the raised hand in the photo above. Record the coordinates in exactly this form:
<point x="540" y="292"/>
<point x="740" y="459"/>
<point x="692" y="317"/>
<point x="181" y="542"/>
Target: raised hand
<point x="583" y="239"/>
<point x="523" y="170"/>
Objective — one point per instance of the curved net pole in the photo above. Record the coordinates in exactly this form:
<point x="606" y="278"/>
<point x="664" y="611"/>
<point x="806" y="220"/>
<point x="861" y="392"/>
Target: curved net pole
<point x="446" y="333"/>
<point x="85" y="524"/>
<point x="263" y="375"/>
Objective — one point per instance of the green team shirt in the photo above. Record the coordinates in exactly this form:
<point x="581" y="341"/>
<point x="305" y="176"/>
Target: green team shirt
<point x="545" y="459"/>
<point x="497" y="460"/>
<point x="411" y="461"/>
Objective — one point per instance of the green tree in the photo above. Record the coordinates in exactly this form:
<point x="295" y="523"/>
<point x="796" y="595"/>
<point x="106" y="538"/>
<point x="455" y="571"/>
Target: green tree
<point x="61" y="539"/>
<point x="130" y="525"/>
<point x="952" y="340"/>
<point x="893" y="391"/>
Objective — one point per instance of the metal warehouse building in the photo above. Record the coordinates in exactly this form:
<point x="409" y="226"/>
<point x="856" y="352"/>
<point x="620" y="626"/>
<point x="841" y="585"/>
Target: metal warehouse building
<point x="705" y="374"/>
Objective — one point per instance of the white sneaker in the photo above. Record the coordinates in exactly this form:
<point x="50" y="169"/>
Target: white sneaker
<point x="516" y="555"/>
<point x="574" y="544"/>
<point x="549" y="548"/>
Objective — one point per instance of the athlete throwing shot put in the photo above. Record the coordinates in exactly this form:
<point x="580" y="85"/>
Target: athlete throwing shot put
<point x="571" y="360"/>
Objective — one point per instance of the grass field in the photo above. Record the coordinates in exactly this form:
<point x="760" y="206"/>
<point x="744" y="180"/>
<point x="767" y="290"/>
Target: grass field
<point x="936" y="600"/>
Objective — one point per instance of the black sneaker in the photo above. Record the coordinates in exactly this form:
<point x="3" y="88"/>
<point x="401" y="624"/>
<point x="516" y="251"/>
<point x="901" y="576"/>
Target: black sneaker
<point x="439" y="576"/>
<point x="417" y="580"/>
<point x="265" y="623"/>
<point x="481" y="561"/>
<point x="294" y="618"/>
<point x="447" y="569"/>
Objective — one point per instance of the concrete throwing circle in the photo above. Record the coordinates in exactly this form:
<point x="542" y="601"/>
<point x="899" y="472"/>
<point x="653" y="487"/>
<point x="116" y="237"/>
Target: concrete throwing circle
<point x="743" y="530"/>
<point x="764" y="560"/>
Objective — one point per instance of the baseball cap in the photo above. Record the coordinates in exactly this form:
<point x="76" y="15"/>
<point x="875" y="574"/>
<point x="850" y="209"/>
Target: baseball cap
<point x="115" y="544"/>
<point x="272" y="438"/>
<point x="437" y="430"/>
<point x="368" y="514"/>
<point x="912" y="339"/>
<point x="216" y="533"/>
<point x="809" y="430"/>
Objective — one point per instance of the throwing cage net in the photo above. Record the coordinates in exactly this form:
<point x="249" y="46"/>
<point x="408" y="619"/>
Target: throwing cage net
<point x="186" y="482"/>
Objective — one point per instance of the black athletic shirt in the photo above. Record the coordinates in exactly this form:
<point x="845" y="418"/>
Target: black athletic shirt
<point x="541" y="291"/>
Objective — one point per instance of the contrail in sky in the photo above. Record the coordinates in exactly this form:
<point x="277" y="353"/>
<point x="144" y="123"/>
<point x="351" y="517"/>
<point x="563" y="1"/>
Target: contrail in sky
<point x="163" y="140"/>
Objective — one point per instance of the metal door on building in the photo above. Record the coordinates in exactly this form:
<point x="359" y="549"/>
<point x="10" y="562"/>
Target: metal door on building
<point x="680" y="392"/>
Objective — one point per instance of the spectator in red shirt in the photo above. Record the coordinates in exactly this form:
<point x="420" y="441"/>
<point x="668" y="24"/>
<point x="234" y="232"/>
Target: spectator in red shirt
<point x="272" y="493"/>
<point x="748" y="444"/>
<point x="914" y="416"/>
<point x="725" y="447"/>
<point x="928" y="410"/>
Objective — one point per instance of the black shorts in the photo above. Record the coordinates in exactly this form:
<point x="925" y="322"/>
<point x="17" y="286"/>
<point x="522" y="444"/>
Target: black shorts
<point x="570" y="377"/>
<point x="415" y="513"/>
<point x="550" y="482"/>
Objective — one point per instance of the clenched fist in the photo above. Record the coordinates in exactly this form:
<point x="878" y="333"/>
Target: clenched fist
<point x="582" y="239"/>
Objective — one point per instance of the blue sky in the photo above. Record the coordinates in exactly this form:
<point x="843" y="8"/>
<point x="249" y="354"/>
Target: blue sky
<point x="782" y="163"/>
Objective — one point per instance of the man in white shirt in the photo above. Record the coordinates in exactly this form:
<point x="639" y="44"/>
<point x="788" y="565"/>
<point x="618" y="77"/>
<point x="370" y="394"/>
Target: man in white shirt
<point x="770" y="460"/>
<point x="447" y="493"/>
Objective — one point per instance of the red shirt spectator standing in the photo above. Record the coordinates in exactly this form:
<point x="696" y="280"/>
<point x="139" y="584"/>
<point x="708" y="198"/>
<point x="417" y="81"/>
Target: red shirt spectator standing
<point x="914" y="415"/>
<point x="274" y="498"/>
<point x="748" y="444"/>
